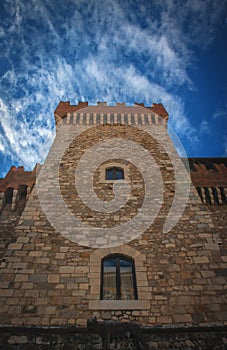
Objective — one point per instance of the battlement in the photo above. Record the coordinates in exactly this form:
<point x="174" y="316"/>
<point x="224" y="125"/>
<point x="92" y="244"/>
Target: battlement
<point x="15" y="187"/>
<point x="209" y="176"/>
<point x="115" y="113"/>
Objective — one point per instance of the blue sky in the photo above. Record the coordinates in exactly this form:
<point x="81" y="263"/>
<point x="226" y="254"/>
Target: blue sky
<point x="169" y="51"/>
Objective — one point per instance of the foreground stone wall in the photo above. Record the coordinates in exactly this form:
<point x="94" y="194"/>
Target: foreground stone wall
<point x="83" y="339"/>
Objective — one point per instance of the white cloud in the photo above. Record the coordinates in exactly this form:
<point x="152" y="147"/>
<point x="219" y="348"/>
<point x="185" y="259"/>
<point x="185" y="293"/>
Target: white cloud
<point x="204" y="127"/>
<point x="221" y="113"/>
<point x="13" y="17"/>
<point x="23" y="141"/>
<point x="136" y="87"/>
<point x="2" y="146"/>
<point x="194" y="23"/>
<point x="113" y="50"/>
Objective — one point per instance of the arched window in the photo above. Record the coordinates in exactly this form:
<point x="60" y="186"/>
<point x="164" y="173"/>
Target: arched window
<point x="118" y="280"/>
<point x="114" y="173"/>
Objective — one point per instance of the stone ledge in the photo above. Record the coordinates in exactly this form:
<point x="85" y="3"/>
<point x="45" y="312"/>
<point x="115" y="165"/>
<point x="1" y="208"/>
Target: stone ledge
<point x="119" y="304"/>
<point x="145" y="329"/>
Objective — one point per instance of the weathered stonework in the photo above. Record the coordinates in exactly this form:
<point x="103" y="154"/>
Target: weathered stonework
<point x="49" y="279"/>
<point x="112" y="336"/>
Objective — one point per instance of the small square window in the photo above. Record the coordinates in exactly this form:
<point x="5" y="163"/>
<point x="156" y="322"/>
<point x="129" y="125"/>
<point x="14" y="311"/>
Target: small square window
<point x="114" y="173"/>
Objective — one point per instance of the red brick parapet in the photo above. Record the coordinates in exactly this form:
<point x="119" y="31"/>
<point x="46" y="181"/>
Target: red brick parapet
<point x="159" y="109"/>
<point x="64" y="108"/>
<point x="208" y="172"/>
<point x="16" y="177"/>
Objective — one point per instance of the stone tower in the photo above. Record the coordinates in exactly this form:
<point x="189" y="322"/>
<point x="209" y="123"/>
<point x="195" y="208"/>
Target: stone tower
<point x="115" y="233"/>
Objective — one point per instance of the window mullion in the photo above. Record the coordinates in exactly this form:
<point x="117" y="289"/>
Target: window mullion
<point x="134" y="281"/>
<point x="118" y="279"/>
<point x="102" y="279"/>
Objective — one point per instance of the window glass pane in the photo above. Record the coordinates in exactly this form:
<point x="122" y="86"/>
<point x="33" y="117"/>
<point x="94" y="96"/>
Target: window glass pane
<point x="126" y="275"/>
<point x="109" y="279"/>
<point x="119" y="174"/>
<point x="118" y="280"/>
<point x="110" y="174"/>
<point x="114" y="174"/>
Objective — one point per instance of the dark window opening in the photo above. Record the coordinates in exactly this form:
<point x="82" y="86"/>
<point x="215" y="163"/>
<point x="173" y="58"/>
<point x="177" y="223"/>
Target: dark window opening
<point x="114" y="173"/>
<point x="207" y="194"/>
<point x="199" y="193"/>
<point x="215" y="194"/>
<point x="118" y="279"/>
<point x="8" y="195"/>
<point x="223" y="197"/>
<point x="210" y="166"/>
<point x="22" y="194"/>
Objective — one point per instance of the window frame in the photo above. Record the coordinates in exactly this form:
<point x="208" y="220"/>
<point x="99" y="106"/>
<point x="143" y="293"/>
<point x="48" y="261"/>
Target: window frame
<point x="118" y="275"/>
<point x="111" y="164"/>
<point x="115" y="169"/>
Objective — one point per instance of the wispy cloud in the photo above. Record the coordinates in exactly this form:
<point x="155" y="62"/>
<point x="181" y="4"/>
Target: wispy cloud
<point x="221" y="113"/>
<point x="113" y="50"/>
<point x="2" y="146"/>
<point x="204" y="127"/>
<point x="192" y="24"/>
<point x="23" y="141"/>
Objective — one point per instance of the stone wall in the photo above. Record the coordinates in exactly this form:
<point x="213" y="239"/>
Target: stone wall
<point x="72" y="338"/>
<point x="51" y="270"/>
<point x="52" y="278"/>
<point x="8" y="221"/>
